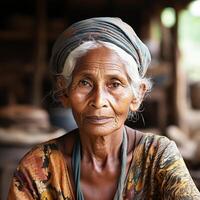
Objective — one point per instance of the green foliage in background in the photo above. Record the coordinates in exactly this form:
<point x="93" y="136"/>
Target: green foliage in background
<point x="189" y="44"/>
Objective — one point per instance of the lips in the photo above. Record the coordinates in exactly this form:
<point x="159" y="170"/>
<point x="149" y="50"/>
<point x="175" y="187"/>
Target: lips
<point x="98" y="119"/>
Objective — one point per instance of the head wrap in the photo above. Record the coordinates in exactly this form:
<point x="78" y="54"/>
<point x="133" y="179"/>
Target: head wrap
<point x="106" y="29"/>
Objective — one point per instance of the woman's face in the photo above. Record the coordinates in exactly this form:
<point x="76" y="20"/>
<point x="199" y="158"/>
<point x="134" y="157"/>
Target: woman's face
<point x="100" y="94"/>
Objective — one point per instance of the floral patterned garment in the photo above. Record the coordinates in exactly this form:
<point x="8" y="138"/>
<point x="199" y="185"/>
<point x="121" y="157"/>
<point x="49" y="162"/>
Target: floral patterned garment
<point x="157" y="172"/>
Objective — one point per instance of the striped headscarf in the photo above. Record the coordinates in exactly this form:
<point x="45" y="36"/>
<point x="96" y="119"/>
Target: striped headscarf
<point x="106" y="29"/>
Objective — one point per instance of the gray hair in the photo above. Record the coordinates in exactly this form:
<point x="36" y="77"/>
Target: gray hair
<point x="129" y="63"/>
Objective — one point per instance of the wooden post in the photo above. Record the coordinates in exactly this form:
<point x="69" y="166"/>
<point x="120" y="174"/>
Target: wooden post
<point x="41" y="51"/>
<point x="175" y="84"/>
<point x="179" y="84"/>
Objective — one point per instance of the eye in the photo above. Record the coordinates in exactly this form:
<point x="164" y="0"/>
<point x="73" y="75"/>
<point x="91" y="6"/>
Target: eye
<point x="85" y="83"/>
<point x="114" y="84"/>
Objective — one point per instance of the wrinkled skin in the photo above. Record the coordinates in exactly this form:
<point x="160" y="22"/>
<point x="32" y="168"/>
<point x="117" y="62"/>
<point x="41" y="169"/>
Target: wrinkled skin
<point x="100" y="97"/>
<point x="100" y="93"/>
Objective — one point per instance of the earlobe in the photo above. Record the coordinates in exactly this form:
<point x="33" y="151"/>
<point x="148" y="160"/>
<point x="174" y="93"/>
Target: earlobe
<point x="60" y="84"/>
<point x="64" y="99"/>
<point x="135" y="103"/>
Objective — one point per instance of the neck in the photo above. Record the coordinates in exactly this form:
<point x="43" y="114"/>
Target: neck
<point x="101" y="150"/>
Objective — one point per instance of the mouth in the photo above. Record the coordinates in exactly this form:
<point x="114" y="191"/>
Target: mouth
<point x="98" y="119"/>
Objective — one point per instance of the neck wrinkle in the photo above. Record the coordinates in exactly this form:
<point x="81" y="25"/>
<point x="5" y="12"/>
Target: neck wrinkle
<point x="100" y="151"/>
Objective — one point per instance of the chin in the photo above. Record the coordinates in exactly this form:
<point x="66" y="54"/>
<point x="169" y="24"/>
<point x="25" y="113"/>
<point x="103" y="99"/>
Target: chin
<point x="100" y="130"/>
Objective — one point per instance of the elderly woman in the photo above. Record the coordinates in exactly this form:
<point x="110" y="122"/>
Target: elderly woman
<point x="99" y="64"/>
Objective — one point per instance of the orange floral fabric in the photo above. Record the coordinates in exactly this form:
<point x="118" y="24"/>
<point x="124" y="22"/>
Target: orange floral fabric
<point x="157" y="172"/>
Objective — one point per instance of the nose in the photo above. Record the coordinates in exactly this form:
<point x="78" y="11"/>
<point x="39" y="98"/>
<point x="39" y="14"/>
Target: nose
<point x="99" y="98"/>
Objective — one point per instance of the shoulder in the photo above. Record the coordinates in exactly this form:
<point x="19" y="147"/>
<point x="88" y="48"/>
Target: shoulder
<point x="41" y="154"/>
<point x="149" y="144"/>
<point x="42" y="172"/>
<point x="142" y="138"/>
<point x="158" y="165"/>
<point x="44" y="161"/>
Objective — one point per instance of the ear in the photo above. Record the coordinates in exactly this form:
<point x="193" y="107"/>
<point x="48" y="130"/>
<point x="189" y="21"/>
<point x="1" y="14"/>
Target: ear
<point x="136" y="101"/>
<point x="62" y="96"/>
<point x="64" y="100"/>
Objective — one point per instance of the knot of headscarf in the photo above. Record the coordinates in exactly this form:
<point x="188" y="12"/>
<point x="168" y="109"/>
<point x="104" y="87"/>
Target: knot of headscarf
<point x="106" y="29"/>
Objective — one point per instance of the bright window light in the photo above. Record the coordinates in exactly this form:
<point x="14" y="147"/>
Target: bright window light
<point x="168" y="17"/>
<point x="194" y="8"/>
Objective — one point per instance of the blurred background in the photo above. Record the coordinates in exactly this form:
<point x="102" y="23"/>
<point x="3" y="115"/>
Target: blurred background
<point x="29" y="112"/>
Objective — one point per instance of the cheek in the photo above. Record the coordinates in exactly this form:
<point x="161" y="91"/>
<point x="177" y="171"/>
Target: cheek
<point x="122" y="102"/>
<point x="77" y="102"/>
<point x="77" y="97"/>
<point x="77" y="110"/>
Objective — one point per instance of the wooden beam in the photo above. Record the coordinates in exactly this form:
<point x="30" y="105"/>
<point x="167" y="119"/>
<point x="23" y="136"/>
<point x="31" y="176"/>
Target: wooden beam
<point x="41" y="51"/>
<point x="174" y="46"/>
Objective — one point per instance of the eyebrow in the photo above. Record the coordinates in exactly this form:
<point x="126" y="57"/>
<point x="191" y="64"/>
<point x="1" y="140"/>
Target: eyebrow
<point x="108" y="75"/>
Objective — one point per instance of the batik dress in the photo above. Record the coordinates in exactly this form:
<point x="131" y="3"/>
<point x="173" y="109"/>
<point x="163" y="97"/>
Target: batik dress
<point x="157" y="172"/>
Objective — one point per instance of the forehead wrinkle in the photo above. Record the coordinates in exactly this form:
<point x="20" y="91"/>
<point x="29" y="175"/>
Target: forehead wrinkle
<point x="101" y="71"/>
<point x="99" y="75"/>
<point x="102" y="62"/>
<point x="102" y="65"/>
